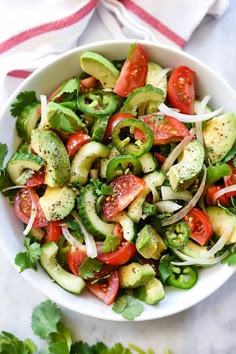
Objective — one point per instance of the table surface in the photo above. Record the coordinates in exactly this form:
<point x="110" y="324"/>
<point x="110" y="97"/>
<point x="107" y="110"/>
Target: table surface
<point x="208" y="327"/>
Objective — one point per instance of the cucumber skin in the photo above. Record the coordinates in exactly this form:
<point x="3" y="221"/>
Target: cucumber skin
<point x="27" y="120"/>
<point x="87" y="200"/>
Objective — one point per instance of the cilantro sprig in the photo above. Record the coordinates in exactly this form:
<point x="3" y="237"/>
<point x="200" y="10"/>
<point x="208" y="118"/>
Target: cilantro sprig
<point x="128" y="307"/>
<point x="59" y="121"/>
<point x="22" y="100"/>
<point x="29" y="258"/>
<point x="89" y="267"/>
<point x="101" y="189"/>
<point x="111" y="243"/>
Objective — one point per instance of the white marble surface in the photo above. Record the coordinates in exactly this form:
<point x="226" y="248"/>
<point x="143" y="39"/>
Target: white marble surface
<point x="206" y="328"/>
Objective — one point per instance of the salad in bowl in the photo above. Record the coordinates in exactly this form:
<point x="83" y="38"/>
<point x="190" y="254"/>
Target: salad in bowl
<point x="123" y="177"/>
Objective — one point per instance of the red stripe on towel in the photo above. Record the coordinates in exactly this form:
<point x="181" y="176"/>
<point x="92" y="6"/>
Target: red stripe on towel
<point x="19" y="74"/>
<point x="48" y="27"/>
<point x="152" y="21"/>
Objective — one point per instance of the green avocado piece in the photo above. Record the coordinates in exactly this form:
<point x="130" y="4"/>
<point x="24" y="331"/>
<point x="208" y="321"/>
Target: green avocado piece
<point x="219" y="135"/>
<point x="101" y="68"/>
<point x="151" y="293"/>
<point x="152" y="78"/>
<point x="135" y="275"/>
<point x="182" y="174"/>
<point x="219" y="219"/>
<point x="149" y="244"/>
<point x="49" y="146"/>
<point x="57" y="202"/>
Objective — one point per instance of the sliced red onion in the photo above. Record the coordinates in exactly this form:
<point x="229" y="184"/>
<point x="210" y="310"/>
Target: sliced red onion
<point x="175" y="153"/>
<point x="167" y="193"/>
<point x="222" y="241"/>
<point x="70" y="238"/>
<point x="199" y="261"/>
<point x="224" y="191"/>
<point x="44" y="111"/>
<point x="200" y="111"/>
<point x="186" y="209"/>
<point x="168" y="206"/>
<point x="32" y="215"/>
<point x="88" y="238"/>
<point x="188" y="118"/>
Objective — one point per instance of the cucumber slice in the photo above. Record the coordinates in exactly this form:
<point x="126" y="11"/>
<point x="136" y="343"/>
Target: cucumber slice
<point x="83" y="160"/>
<point x="105" y="161"/>
<point x="128" y="226"/>
<point x="197" y="103"/>
<point x="148" y="162"/>
<point x="87" y="211"/>
<point x="20" y="162"/>
<point x="98" y="129"/>
<point x="66" y="280"/>
<point x="27" y="120"/>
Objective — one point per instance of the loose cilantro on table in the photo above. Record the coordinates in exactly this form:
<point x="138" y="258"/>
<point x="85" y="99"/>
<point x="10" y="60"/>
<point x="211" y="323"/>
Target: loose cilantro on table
<point x="22" y="100"/>
<point x="29" y="258"/>
<point x="128" y="307"/>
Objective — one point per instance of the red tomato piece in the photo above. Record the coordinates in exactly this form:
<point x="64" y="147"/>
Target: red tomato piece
<point x="76" y="140"/>
<point x="23" y="206"/>
<point x="211" y="200"/>
<point x="134" y="71"/>
<point x="200" y="226"/>
<point x="54" y="231"/>
<point x="126" y="188"/>
<point x="113" y="120"/>
<point x="165" y="130"/>
<point x="75" y="258"/>
<point x="88" y="83"/>
<point x="37" y="179"/>
<point x="230" y="180"/>
<point x="106" y="289"/>
<point x="181" y="89"/>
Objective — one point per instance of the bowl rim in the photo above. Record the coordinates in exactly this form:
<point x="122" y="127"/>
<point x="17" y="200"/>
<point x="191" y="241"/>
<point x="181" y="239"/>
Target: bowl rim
<point x="28" y="274"/>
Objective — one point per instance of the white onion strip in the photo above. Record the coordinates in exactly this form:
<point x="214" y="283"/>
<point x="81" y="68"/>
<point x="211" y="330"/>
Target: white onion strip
<point x="201" y="110"/>
<point x="198" y="261"/>
<point x="12" y="187"/>
<point x="71" y="239"/>
<point x="221" y="242"/>
<point x="32" y="215"/>
<point x="175" y="153"/>
<point x="44" y="112"/>
<point x="224" y="191"/>
<point x="185" y="210"/>
<point x="188" y="118"/>
<point x="162" y="74"/>
<point x="88" y="238"/>
<point x="167" y="193"/>
<point x="167" y="206"/>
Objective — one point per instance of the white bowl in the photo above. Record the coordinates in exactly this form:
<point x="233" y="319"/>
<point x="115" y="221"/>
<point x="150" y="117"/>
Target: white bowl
<point x="44" y="81"/>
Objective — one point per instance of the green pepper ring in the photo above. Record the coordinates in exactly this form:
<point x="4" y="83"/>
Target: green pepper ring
<point x="117" y="166"/>
<point x="185" y="278"/>
<point x="177" y="235"/>
<point x="125" y="146"/>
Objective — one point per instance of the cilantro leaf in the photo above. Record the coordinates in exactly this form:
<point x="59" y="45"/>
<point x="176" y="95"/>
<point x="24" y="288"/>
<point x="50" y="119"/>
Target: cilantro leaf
<point x="59" y="121"/>
<point x="89" y="267"/>
<point x="149" y="208"/>
<point x="111" y="243"/>
<point x="118" y="348"/>
<point x="99" y="348"/>
<point x="128" y="307"/>
<point x="28" y="258"/>
<point x="214" y="173"/>
<point x="230" y="260"/>
<point x="101" y="188"/>
<point x="231" y="153"/>
<point x="58" y="348"/>
<point x="3" y="154"/>
<point x="68" y="88"/>
<point x="11" y="344"/>
<point x="22" y="100"/>
<point x="165" y="267"/>
<point x="81" y="348"/>
<point x="45" y="318"/>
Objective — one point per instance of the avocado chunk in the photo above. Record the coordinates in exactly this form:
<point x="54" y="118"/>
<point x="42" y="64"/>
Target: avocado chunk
<point x="135" y="274"/>
<point x="149" y="244"/>
<point x="219" y="135"/>
<point x="48" y="145"/>
<point x="152" y="78"/>
<point x="182" y="174"/>
<point x="66" y="280"/>
<point x="151" y="293"/>
<point x="101" y="68"/>
<point x="57" y="202"/>
<point x="219" y="218"/>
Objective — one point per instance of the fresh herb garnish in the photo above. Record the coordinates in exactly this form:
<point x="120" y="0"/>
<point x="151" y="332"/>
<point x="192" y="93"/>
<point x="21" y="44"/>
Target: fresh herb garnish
<point x="3" y="154"/>
<point x="69" y="89"/>
<point x="111" y="243"/>
<point x="22" y="100"/>
<point x="214" y="173"/>
<point x="231" y="155"/>
<point x="59" y="121"/>
<point x="101" y="188"/>
<point x="165" y="267"/>
<point x="11" y="344"/>
<point x="128" y="307"/>
<point x="29" y="258"/>
<point x="89" y="267"/>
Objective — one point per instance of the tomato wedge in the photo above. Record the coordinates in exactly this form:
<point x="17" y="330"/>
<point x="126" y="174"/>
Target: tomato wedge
<point x="105" y="289"/>
<point x="54" y="231"/>
<point x="23" y="206"/>
<point x="200" y="226"/>
<point x="230" y="180"/>
<point x="126" y="188"/>
<point x="37" y="179"/>
<point x="75" y="258"/>
<point x="75" y="141"/>
<point x="113" y="120"/>
<point x="165" y="129"/>
<point x="211" y="200"/>
<point x="181" y="90"/>
<point x="134" y="71"/>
